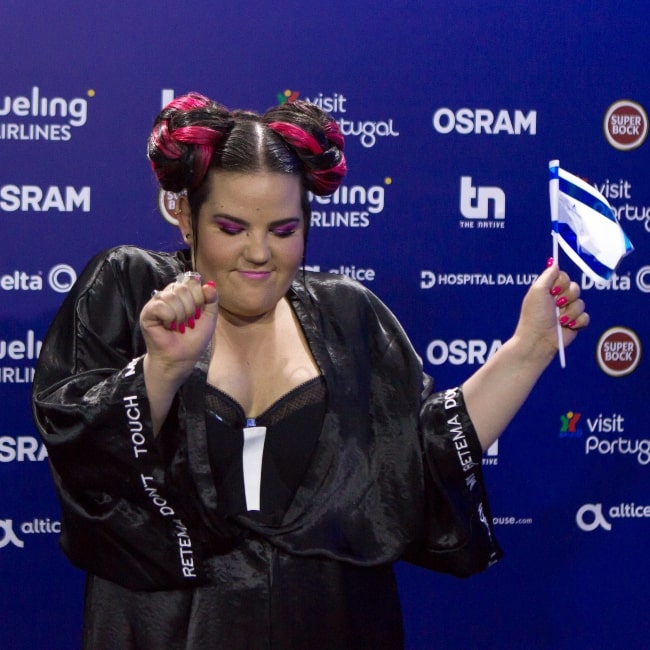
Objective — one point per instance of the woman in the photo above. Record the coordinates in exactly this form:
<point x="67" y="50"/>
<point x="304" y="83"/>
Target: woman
<point x="243" y="450"/>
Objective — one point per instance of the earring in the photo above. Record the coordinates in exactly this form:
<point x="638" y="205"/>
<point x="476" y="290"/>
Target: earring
<point x="187" y="235"/>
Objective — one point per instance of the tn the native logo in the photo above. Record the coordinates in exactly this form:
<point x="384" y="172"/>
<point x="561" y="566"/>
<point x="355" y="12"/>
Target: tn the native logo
<point x="475" y="202"/>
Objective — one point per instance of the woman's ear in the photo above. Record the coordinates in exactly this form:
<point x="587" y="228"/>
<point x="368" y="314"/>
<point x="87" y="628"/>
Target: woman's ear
<point x="183" y="216"/>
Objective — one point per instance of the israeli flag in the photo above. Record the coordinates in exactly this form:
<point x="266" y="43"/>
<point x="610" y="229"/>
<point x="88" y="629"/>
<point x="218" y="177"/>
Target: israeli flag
<point x="585" y="225"/>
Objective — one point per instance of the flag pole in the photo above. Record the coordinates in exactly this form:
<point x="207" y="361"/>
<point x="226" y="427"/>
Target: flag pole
<point x="553" y="189"/>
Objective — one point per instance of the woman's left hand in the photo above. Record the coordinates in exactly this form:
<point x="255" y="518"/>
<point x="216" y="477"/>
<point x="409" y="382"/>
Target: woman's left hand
<point x="496" y="391"/>
<point x="552" y="290"/>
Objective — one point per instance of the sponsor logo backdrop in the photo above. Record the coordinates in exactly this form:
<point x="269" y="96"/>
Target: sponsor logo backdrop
<point x="451" y="113"/>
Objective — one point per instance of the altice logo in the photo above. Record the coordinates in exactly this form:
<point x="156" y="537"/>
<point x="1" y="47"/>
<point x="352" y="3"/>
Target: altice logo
<point x="8" y="534"/>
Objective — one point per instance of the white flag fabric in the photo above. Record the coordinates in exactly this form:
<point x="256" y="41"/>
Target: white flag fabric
<point x="585" y="225"/>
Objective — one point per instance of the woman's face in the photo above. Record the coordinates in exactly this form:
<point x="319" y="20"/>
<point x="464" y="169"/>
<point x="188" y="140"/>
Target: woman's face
<point x="250" y="239"/>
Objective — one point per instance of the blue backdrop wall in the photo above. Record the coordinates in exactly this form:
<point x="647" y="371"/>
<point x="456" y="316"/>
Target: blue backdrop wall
<point x="452" y="111"/>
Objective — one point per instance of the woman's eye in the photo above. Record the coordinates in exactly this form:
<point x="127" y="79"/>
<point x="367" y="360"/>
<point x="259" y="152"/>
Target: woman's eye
<point x="284" y="231"/>
<point x="230" y="228"/>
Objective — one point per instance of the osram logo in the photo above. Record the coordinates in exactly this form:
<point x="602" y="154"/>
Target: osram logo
<point x="477" y="121"/>
<point x="460" y="352"/>
<point x="25" y="198"/>
<point x="21" y="449"/>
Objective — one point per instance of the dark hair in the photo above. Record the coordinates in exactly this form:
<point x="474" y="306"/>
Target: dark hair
<point x="193" y="134"/>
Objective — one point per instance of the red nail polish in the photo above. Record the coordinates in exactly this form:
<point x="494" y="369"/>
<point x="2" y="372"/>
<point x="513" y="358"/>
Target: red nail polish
<point x="197" y="313"/>
<point x="555" y="291"/>
<point x="190" y="323"/>
<point x="211" y="283"/>
<point x="560" y="302"/>
<point x="549" y="262"/>
<point x="172" y="325"/>
<point x="564" y="320"/>
<point x="181" y="328"/>
<point x="572" y="324"/>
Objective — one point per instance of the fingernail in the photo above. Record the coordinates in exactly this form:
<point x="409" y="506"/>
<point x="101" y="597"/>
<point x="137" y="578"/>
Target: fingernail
<point x="211" y="283"/>
<point x="172" y="325"/>
<point x="181" y="328"/>
<point x="197" y="313"/>
<point x="564" y="320"/>
<point x="549" y="262"/>
<point x="190" y="323"/>
<point x="560" y="302"/>
<point x="572" y="324"/>
<point x="555" y="291"/>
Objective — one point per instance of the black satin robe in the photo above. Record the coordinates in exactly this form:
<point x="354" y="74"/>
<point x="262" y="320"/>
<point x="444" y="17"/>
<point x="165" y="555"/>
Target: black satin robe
<point x="396" y="475"/>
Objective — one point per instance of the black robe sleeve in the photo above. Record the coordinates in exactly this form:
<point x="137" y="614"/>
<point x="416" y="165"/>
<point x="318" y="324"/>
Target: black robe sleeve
<point x="459" y="536"/>
<point x="456" y="534"/>
<point x="121" y="515"/>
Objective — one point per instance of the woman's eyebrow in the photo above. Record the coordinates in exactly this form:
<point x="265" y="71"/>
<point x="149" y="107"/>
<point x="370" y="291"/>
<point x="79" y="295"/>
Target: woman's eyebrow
<point x="286" y="221"/>
<point x="243" y="222"/>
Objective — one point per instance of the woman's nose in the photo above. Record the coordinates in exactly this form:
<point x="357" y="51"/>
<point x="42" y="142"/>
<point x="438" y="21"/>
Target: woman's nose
<point x="257" y="247"/>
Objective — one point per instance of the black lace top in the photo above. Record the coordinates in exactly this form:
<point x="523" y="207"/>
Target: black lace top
<point x="292" y="424"/>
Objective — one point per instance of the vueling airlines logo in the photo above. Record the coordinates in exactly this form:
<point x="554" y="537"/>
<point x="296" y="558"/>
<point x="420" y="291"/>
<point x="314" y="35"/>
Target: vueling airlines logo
<point x="37" y="116"/>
